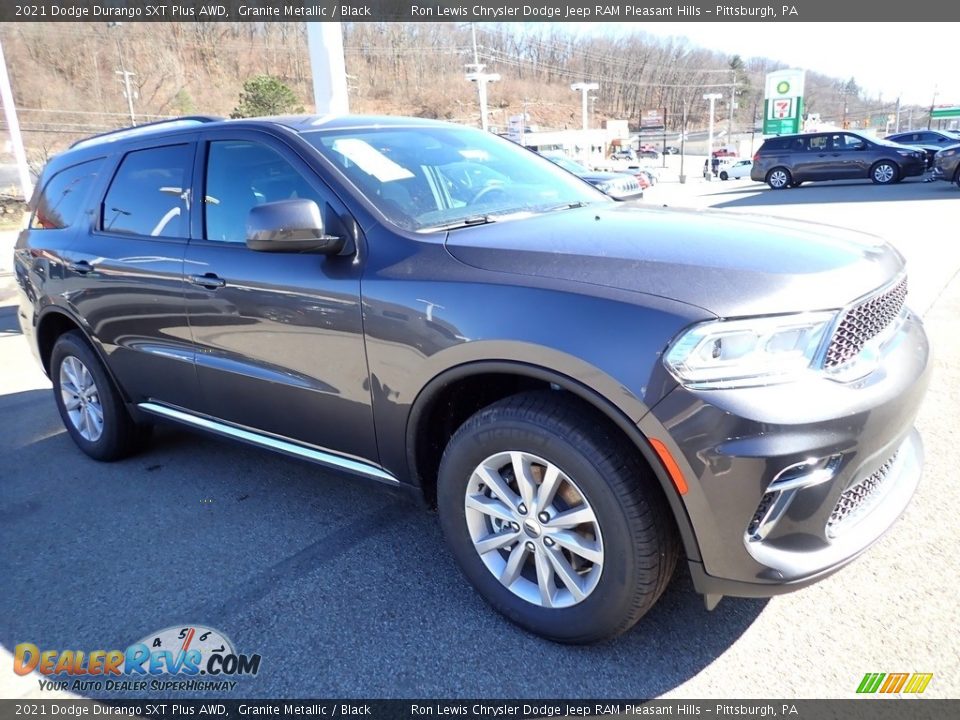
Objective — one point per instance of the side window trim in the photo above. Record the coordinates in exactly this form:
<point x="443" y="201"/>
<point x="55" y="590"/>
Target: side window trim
<point x="112" y="169"/>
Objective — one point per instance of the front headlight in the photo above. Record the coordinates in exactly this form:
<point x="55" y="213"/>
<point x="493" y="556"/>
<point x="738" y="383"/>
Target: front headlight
<point x="948" y="153"/>
<point x="750" y="351"/>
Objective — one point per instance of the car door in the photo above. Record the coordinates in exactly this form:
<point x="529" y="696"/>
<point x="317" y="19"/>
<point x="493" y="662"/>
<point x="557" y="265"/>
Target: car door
<point x="279" y="336"/>
<point x="813" y="161"/>
<point x="125" y="274"/>
<point x="851" y="156"/>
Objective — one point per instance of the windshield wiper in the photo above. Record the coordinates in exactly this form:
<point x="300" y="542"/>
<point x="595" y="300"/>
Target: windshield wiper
<point x="465" y="222"/>
<point x="567" y="206"/>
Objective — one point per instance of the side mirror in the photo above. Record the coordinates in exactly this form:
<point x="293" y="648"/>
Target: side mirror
<point x="290" y="226"/>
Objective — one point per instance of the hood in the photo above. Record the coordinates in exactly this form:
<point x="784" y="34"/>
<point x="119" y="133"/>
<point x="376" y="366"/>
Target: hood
<point x="727" y="263"/>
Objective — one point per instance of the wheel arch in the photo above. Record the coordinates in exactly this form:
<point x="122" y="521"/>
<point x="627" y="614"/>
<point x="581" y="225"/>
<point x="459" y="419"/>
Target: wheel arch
<point x="501" y="378"/>
<point x="55" y="321"/>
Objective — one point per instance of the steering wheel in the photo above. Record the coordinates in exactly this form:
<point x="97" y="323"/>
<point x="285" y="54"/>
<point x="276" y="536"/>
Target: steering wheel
<point x="486" y="192"/>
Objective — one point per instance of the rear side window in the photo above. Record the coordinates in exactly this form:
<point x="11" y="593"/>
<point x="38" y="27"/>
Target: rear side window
<point x="62" y="201"/>
<point x="783" y="144"/>
<point x="149" y="194"/>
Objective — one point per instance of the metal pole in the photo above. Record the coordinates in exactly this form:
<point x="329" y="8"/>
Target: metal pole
<point x="712" y="97"/>
<point x="325" y="44"/>
<point x="16" y="139"/>
<point x="897" y="125"/>
<point x="128" y="91"/>
<point x="733" y="102"/>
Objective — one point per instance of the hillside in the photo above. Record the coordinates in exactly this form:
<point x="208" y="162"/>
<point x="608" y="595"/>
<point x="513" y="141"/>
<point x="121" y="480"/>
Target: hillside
<point x="67" y="85"/>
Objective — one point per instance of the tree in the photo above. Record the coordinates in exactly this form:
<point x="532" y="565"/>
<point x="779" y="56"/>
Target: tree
<point x="266" y="95"/>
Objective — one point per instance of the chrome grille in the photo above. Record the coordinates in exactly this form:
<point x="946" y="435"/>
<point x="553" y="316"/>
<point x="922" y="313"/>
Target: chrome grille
<point x="863" y="322"/>
<point x="857" y="500"/>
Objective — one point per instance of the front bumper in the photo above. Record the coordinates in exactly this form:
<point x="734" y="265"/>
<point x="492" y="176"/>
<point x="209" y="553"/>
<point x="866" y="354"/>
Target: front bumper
<point x="788" y="483"/>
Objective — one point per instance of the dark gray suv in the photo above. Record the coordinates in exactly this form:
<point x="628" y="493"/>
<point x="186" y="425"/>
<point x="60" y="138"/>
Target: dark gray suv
<point x="791" y="160"/>
<point x="586" y="390"/>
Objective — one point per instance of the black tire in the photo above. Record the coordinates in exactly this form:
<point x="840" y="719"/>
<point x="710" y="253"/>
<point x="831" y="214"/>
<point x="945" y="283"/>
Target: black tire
<point x="723" y="175"/>
<point x="956" y="178"/>
<point x="119" y="436"/>
<point x="796" y="183"/>
<point x="779" y="178"/>
<point x="639" y="539"/>
<point x="884" y="172"/>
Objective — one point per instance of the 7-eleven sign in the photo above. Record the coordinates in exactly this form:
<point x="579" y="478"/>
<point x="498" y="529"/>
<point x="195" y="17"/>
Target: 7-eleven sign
<point x="781" y="109"/>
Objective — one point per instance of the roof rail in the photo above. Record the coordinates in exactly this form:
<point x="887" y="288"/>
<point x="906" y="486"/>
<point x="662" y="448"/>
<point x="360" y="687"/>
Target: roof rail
<point x="135" y="130"/>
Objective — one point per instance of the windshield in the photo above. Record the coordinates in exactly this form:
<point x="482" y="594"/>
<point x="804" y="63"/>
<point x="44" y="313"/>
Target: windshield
<point x="426" y="178"/>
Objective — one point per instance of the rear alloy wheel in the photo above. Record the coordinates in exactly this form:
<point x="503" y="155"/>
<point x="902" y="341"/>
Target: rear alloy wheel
<point x="89" y="404"/>
<point x="779" y="178"/>
<point x="884" y="173"/>
<point x="557" y="523"/>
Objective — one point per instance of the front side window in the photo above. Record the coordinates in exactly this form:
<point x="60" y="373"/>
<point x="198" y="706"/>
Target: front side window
<point x="240" y="176"/>
<point x="432" y="177"/>
<point x="149" y="195"/>
<point x="62" y="201"/>
<point x="818" y="143"/>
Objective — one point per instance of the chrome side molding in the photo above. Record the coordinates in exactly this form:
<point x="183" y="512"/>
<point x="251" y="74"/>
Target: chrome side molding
<point x="313" y="454"/>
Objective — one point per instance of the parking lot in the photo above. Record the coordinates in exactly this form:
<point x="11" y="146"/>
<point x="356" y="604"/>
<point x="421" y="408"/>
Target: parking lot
<point x="345" y="590"/>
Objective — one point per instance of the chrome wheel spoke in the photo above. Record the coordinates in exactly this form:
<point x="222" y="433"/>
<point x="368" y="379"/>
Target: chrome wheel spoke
<point x="571" y="518"/>
<point x="495" y="541"/>
<point x="71" y="401"/>
<point x="587" y="549"/>
<point x="514" y="564"/>
<point x="525" y="481"/>
<point x="548" y="488"/>
<point x="567" y="575"/>
<point x="545" y="578"/>
<point x="498" y="486"/>
<point x="490" y="507"/>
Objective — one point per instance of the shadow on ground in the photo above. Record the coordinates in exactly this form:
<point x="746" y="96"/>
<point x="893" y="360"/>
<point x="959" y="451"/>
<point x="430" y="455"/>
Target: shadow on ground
<point x="846" y="191"/>
<point x="343" y="588"/>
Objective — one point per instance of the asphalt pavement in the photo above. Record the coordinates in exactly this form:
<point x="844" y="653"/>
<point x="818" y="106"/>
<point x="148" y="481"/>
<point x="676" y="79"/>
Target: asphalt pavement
<point x="346" y="590"/>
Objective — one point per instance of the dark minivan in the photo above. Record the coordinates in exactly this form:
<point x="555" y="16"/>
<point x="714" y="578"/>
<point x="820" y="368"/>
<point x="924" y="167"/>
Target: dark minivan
<point x="588" y="392"/>
<point x="789" y="160"/>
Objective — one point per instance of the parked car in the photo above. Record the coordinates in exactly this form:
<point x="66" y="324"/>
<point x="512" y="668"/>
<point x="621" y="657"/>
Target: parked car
<point x="623" y="154"/>
<point x="649" y="152"/>
<point x="789" y="160"/>
<point x="736" y="170"/>
<point x="587" y="391"/>
<point x="672" y="150"/>
<point x="619" y="186"/>
<point x="930" y="141"/>
<point x="724" y="152"/>
<point x="946" y="164"/>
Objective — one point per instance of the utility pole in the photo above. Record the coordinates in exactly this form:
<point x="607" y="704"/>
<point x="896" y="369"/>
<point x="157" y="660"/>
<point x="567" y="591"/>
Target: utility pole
<point x="933" y="102"/>
<point x="897" y="122"/>
<point x="733" y="105"/>
<point x="712" y="97"/>
<point x="330" y="91"/>
<point x="475" y="74"/>
<point x="126" y="74"/>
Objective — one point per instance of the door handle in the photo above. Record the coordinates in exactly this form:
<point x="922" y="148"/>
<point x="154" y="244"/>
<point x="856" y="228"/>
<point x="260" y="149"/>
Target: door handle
<point x="822" y="155"/>
<point x="81" y="268"/>
<point x="208" y="280"/>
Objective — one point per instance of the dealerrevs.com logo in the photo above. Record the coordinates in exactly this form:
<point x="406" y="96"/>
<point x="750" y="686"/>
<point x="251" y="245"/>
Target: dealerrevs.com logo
<point x="188" y="658"/>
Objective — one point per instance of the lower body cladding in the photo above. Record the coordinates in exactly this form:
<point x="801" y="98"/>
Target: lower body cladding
<point x="788" y="483"/>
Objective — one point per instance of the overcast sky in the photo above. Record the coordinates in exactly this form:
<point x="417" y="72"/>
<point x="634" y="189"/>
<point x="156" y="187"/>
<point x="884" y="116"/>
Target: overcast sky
<point x="898" y="59"/>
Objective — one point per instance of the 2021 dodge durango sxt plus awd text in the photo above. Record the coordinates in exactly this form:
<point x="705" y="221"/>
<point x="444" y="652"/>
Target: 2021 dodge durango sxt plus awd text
<point x="584" y="389"/>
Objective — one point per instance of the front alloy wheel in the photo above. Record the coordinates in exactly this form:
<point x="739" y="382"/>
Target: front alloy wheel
<point x="884" y="173"/>
<point x="555" y="518"/>
<point x="534" y="529"/>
